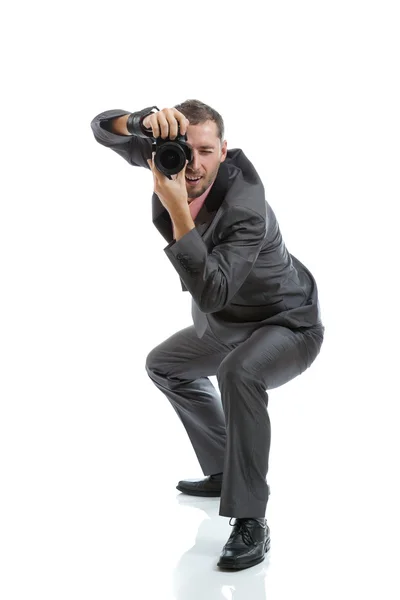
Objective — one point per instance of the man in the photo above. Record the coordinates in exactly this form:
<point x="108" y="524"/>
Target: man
<point x="255" y="309"/>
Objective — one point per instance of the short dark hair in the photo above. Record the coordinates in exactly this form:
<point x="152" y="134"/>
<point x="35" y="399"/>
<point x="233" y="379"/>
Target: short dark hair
<point x="197" y="112"/>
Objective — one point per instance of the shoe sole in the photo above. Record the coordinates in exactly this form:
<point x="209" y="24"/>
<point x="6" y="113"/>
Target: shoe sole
<point x="236" y="567"/>
<point x="198" y="492"/>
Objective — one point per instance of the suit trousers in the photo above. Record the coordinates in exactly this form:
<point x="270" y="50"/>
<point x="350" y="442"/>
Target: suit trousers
<point x="230" y="431"/>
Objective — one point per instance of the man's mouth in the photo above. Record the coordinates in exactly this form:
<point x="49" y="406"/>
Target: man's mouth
<point x="192" y="180"/>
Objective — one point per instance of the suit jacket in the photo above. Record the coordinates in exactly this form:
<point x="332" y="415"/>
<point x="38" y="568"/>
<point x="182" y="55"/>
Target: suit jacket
<point x="234" y="263"/>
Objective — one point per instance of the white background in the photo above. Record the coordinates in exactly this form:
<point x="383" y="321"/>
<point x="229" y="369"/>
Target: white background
<point x="90" y="450"/>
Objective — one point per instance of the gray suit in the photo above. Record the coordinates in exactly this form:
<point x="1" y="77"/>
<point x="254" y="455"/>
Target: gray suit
<point x="256" y="315"/>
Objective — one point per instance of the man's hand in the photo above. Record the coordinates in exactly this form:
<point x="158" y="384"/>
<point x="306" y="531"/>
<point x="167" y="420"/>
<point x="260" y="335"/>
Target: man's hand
<point x="172" y="192"/>
<point x="165" y="122"/>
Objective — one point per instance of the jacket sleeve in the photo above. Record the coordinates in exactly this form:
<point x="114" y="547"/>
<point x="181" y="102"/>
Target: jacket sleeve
<point x="135" y="150"/>
<point x="214" y="279"/>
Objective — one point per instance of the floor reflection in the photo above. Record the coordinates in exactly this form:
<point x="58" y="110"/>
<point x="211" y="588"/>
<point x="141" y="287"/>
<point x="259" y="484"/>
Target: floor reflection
<point x="197" y="577"/>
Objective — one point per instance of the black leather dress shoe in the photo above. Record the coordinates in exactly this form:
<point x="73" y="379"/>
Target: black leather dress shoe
<point x="208" y="486"/>
<point x="247" y="544"/>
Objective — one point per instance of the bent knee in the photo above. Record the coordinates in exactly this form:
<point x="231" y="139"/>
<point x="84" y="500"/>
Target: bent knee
<point x="230" y="369"/>
<point x="152" y="359"/>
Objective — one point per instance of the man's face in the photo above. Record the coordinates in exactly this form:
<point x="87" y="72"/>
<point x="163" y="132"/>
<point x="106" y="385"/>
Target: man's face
<point x="207" y="156"/>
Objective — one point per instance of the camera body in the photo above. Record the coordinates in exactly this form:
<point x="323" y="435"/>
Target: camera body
<point x="170" y="155"/>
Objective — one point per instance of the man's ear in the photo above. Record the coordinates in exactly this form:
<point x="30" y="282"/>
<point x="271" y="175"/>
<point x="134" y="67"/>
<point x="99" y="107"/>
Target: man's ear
<point x="224" y="151"/>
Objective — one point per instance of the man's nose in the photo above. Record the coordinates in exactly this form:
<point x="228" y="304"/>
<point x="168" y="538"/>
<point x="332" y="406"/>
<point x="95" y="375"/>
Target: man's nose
<point x="194" y="163"/>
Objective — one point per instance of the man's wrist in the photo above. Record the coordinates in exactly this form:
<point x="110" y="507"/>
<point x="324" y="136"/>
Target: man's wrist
<point x="135" y="125"/>
<point x="182" y="221"/>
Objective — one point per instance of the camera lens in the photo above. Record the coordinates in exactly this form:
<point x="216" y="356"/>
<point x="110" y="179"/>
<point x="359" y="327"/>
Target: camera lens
<point x="170" y="159"/>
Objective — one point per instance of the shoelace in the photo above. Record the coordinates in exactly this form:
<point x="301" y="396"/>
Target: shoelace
<point x="241" y="528"/>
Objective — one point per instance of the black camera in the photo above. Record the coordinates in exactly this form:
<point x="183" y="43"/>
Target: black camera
<point x="170" y="155"/>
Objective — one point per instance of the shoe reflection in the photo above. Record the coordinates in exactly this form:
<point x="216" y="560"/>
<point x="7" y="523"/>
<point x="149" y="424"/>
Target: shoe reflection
<point x="196" y="575"/>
